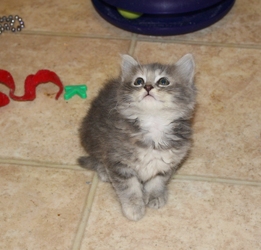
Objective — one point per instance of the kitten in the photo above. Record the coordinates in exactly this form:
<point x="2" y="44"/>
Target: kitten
<point x="138" y="131"/>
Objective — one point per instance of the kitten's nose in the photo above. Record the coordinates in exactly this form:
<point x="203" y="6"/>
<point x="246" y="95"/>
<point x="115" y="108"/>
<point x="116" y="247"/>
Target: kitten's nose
<point x="148" y="88"/>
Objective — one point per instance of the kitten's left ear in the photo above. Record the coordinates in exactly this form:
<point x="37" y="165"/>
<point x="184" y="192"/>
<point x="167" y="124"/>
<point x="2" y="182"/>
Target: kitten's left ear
<point x="186" y="67"/>
<point x="127" y="65"/>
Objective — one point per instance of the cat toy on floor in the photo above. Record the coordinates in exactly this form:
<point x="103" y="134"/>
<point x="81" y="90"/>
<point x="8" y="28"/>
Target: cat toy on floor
<point x="32" y="81"/>
<point x="11" y="23"/>
<point x="162" y="17"/>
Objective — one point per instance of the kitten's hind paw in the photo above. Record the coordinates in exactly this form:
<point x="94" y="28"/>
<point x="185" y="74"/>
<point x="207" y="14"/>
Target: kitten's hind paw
<point x="103" y="176"/>
<point x="134" y="212"/>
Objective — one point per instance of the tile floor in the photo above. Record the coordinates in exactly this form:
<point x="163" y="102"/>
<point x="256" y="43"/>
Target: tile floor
<point x="48" y="202"/>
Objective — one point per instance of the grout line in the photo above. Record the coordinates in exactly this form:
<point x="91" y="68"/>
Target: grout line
<point x="132" y="45"/>
<point x="144" y="39"/>
<point x="177" y="177"/>
<point x="86" y="214"/>
<point x="76" y="35"/>
<point x="216" y="180"/>
<point x="199" y="43"/>
<point x="22" y="162"/>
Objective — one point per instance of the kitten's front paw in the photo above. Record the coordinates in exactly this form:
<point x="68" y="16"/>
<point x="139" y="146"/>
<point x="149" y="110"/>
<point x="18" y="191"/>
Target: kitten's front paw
<point x="134" y="211"/>
<point x="157" y="202"/>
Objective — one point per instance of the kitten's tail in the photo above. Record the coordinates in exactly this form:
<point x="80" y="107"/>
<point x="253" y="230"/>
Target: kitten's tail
<point x="92" y="164"/>
<point x="88" y="162"/>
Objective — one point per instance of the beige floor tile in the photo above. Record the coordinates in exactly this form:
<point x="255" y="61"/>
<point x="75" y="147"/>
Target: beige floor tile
<point x="227" y="121"/>
<point x="41" y="208"/>
<point x="197" y="216"/>
<point x="68" y="17"/>
<point x="46" y="129"/>
<point x="240" y="26"/>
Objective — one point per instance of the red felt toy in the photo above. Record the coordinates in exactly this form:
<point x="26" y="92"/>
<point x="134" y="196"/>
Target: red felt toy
<point x="31" y="82"/>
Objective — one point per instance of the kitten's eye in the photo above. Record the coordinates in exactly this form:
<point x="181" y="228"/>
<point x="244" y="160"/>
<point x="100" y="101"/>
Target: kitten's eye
<point x="163" y="81"/>
<point x="138" y="82"/>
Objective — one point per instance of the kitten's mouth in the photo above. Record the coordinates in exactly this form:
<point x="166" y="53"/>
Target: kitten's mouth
<point x="149" y="96"/>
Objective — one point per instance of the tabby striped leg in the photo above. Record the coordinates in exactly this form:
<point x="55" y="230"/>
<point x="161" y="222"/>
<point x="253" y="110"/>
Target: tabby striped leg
<point x="129" y="191"/>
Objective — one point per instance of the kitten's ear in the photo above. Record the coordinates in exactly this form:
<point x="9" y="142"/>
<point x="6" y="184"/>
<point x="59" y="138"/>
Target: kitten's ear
<point x="127" y="65"/>
<point x="186" y="67"/>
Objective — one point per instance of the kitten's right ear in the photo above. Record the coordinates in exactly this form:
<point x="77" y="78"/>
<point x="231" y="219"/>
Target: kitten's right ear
<point x="127" y="65"/>
<point x="186" y="67"/>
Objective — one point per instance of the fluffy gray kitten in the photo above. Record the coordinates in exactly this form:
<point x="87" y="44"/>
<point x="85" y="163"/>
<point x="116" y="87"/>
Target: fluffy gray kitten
<point x="138" y="131"/>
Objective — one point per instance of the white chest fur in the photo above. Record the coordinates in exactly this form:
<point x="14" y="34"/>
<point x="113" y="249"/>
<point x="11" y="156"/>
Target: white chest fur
<point x="151" y="162"/>
<point x="155" y="128"/>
